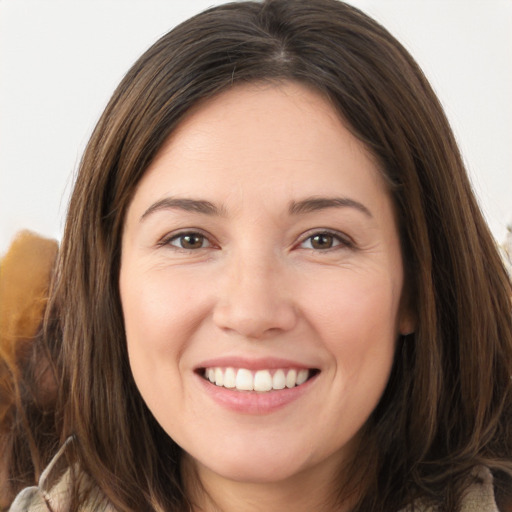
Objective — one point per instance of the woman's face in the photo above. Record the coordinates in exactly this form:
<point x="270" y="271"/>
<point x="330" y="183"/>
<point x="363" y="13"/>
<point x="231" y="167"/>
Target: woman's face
<point x="261" y="251"/>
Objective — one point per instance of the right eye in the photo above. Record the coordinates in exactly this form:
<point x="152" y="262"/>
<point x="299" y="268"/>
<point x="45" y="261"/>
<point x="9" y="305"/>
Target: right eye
<point x="189" y="241"/>
<point x="325" y="241"/>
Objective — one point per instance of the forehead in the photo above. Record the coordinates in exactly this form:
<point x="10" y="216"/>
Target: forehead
<point x="280" y="142"/>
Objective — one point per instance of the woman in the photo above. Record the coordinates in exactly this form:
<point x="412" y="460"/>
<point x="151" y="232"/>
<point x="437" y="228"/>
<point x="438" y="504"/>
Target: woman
<point x="275" y="290"/>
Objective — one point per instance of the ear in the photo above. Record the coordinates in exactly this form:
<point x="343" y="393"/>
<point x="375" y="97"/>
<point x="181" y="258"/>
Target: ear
<point x="406" y="322"/>
<point x="407" y="316"/>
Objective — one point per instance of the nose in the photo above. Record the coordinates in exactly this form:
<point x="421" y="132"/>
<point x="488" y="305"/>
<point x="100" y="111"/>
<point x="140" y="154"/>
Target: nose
<point x="254" y="299"/>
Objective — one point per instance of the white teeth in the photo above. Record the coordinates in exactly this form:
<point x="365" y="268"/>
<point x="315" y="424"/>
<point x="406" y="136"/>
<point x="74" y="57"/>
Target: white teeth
<point x="302" y="377"/>
<point x="291" y="379"/>
<point x="219" y="377"/>
<point x="261" y="380"/>
<point x="244" y="380"/>
<point x="279" y="380"/>
<point x="229" y="378"/>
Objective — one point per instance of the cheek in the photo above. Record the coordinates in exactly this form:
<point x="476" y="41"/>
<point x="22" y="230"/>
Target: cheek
<point x="357" y="321"/>
<point x="160" y="308"/>
<point x="356" y="304"/>
<point x="160" y="316"/>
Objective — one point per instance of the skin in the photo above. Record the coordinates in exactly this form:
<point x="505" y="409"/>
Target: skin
<point x="257" y="285"/>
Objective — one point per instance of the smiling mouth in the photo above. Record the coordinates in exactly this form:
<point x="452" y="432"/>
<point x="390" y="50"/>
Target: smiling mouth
<point x="242" y="379"/>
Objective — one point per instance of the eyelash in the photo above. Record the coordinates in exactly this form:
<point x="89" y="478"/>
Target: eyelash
<point x="167" y="241"/>
<point x="340" y="241"/>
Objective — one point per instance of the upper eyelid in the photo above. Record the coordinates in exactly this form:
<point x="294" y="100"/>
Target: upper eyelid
<point x="343" y="237"/>
<point x="164" y="240"/>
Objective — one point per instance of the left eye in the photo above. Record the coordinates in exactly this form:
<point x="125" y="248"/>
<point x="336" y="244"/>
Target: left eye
<point x="189" y="241"/>
<point x="322" y="241"/>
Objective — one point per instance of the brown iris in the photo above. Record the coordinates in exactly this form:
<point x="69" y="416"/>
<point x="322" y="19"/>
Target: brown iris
<point x="322" y="241"/>
<point x="191" y="241"/>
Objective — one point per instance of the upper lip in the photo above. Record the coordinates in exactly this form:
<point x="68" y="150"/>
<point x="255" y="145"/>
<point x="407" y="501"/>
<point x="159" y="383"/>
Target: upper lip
<point x="255" y="364"/>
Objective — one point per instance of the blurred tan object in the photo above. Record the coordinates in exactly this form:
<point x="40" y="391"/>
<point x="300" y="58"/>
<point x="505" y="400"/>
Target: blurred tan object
<point x="24" y="281"/>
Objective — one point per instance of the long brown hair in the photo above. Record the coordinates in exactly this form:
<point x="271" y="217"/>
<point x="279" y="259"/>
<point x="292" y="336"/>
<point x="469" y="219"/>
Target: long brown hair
<point x="448" y="404"/>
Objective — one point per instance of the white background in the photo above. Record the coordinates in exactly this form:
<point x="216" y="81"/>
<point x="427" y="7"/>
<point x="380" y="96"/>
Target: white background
<point x="60" y="60"/>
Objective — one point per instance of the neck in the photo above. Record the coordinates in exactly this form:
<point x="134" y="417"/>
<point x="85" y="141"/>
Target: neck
<point x="314" y="489"/>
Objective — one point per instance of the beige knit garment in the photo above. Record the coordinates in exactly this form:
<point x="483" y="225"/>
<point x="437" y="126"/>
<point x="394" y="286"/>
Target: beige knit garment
<point x="479" y="497"/>
<point x="52" y="494"/>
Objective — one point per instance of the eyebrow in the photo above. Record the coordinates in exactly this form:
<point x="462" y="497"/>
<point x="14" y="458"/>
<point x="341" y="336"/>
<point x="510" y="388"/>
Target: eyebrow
<point x="188" y="205"/>
<point x="312" y="204"/>
<point x="304" y="206"/>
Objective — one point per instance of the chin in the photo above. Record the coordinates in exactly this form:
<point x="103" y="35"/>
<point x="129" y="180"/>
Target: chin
<point x="260" y="472"/>
<point x="255" y="463"/>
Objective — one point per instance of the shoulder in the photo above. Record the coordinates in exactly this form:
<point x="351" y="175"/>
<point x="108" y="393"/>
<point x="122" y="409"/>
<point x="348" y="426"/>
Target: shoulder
<point x="57" y="487"/>
<point x="478" y="496"/>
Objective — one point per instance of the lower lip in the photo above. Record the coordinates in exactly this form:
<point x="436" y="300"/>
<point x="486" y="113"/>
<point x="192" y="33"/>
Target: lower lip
<point x="254" y="402"/>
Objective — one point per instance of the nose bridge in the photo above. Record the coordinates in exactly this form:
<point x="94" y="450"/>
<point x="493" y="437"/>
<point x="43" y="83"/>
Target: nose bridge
<point x="254" y="299"/>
